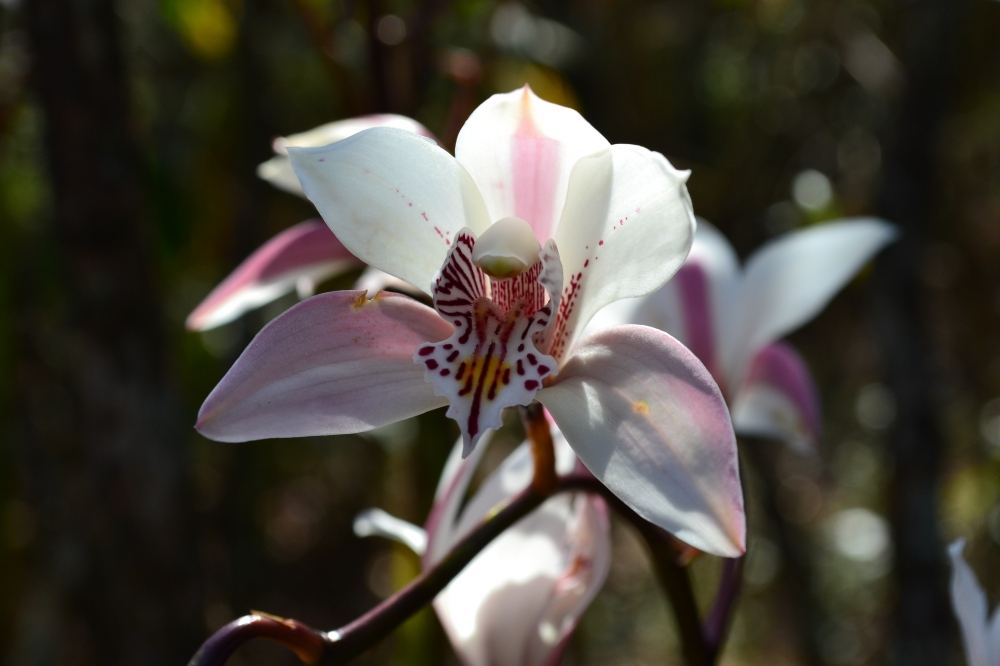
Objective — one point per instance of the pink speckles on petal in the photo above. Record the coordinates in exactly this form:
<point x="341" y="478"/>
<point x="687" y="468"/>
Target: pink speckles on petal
<point x="570" y="295"/>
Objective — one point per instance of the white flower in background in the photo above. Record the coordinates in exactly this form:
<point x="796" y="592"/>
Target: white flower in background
<point x="980" y="631"/>
<point x="519" y="600"/>
<point x="302" y="256"/>
<point x="732" y="318"/>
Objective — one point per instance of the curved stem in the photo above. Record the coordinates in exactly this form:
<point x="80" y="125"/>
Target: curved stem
<point x="347" y="642"/>
<point x="339" y="646"/>
<point x="717" y="623"/>
<point x="543" y="452"/>
<point x="352" y="639"/>
<point x="307" y="643"/>
<point x="666" y="554"/>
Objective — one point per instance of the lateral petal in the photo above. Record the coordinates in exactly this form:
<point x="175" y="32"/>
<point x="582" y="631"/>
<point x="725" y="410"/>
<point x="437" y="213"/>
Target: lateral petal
<point x="520" y="150"/>
<point x="778" y="399"/>
<point x="278" y="170"/>
<point x="789" y="280"/>
<point x="626" y="228"/>
<point x="336" y="363"/>
<point x="394" y="199"/>
<point x="646" y="418"/>
<point x="305" y="252"/>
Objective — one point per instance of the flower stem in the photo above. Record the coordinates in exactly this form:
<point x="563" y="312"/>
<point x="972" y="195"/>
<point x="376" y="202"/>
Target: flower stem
<point x="307" y="643"/>
<point x="312" y="646"/>
<point x="338" y="646"/>
<point x="543" y="453"/>
<point x="717" y="623"/>
<point x="665" y="553"/>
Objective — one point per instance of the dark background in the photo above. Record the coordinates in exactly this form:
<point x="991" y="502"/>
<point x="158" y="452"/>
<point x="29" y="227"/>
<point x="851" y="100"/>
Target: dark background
<point x="129" y="136"/>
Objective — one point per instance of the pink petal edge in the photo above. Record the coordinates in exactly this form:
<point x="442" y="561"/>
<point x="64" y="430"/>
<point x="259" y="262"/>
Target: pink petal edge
<point x="307" y="250"/>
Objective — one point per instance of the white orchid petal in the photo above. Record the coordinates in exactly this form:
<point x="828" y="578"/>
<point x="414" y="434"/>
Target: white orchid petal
<point x="778" y="399"/>
<point x="278" y="170"/>
<point x="307" y="251"/>
<point x="789" y="280"/>
<point x="646" y="418"/>
<point x="336" y="363"/>
<point x="394" y="199"/>
<point x="993" y="637"/>
<point x="520" y="150"/>
<point x="373" y="281"/>
<point x="521" y="597"/>
<point x="626" y="228"/>
<point x="695" y="306"/>
<point x="969" y="603"/>
<point x="376" y="522"/>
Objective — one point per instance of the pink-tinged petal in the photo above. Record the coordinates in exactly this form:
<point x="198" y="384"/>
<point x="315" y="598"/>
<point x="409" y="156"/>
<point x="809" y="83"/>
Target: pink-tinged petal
<point x="520" y="598"/>
<point x="336" y="363"/>
<point x="491" y="361"/>
<point x="626" y="228"/>
<point x="708" y="299"/>
<point x="394" y="199"/>
<point x="442" y="523"/>
<point x="278" y="170"/>
<point x="646" y="418"/>
<point x="789" y="280"/>
<point x="520" y="150"/>
<point x="693" y="292"/>
<point x="695" y="306"/>
<point x="307" y="251"/>
<point x="713" y="254"/>
<point x="778" y="399"/>
<point x="969" y="604"/>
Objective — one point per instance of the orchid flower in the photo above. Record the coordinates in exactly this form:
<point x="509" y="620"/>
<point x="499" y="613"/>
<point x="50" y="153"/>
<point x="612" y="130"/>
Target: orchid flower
<point x="638" y="408"/>
<point x="732" y="318"/>
<point x="980" y="632"/>
<point x="519" y="600"/>
<point x="302" y="256"/>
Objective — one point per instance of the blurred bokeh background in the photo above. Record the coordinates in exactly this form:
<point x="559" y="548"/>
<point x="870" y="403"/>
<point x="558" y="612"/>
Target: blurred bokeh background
<point x="130" y="132"/>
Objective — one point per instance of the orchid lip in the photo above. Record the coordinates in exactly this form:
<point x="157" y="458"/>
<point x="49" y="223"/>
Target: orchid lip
<point x="495" y="357"/>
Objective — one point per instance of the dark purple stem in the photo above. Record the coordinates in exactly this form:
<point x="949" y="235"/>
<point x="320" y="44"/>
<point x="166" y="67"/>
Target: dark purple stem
<point x="339" y="646"/>
<point x="717" y="623"/>
<point x="307" y="643"/>
<point x="349" y="641"/>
